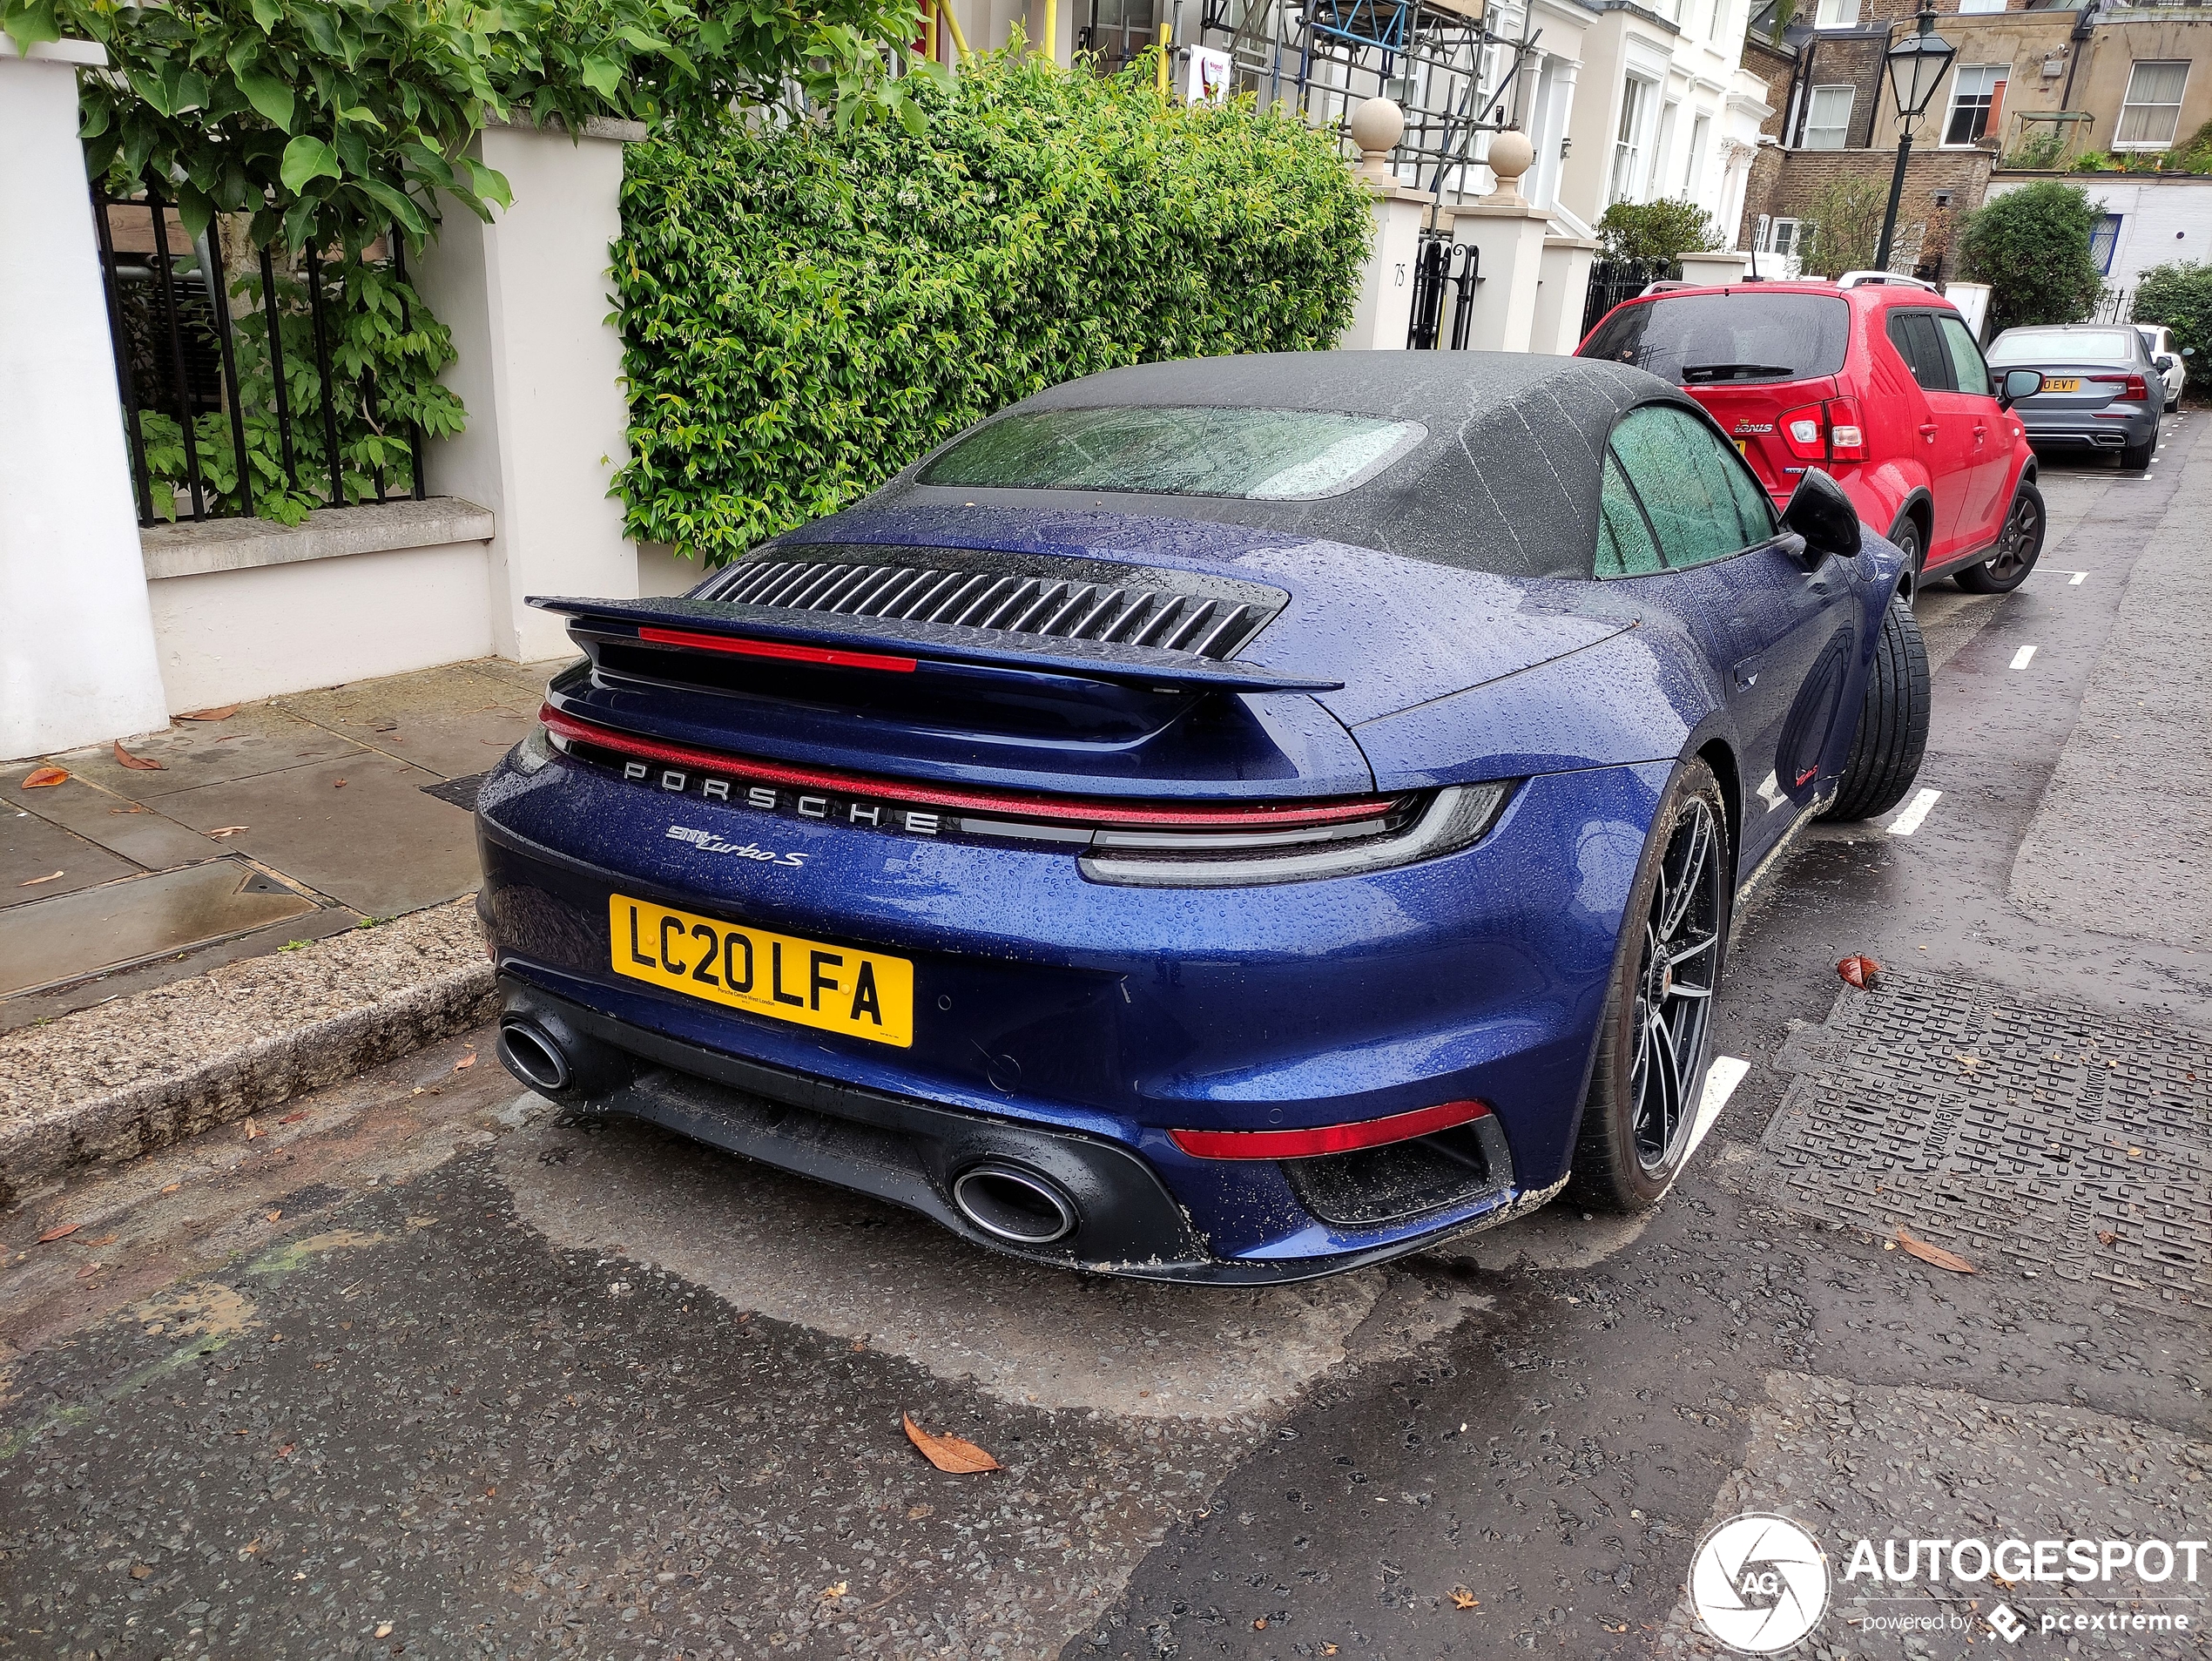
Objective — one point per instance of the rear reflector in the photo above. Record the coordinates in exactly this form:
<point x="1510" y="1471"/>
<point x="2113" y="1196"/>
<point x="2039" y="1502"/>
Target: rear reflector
<point x="565" y="730"/>
<point x="1326" y="1139"/>
<point x="775" y="649"/>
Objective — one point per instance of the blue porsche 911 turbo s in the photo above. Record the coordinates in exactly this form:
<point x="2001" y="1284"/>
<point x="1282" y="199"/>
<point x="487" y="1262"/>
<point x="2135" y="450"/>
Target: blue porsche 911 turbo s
<point x="1226" y="821"/>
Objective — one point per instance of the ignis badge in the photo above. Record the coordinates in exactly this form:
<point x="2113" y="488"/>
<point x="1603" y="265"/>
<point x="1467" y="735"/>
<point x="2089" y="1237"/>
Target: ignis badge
<point x="1758" y="1583"/>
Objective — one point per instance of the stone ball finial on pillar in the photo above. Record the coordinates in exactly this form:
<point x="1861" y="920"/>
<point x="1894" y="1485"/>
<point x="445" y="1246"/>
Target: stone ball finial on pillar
<point x="1511" y="156"/>
<point x="1376" y="127"/>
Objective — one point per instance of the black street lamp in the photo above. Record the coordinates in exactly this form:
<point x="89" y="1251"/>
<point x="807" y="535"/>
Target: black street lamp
<point x="1917" y="64"/>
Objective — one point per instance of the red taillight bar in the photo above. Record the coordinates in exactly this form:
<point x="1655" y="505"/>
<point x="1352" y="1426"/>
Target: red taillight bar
<point x="1326" y="1139"/>
<point x="777" y="649"/>
<point x="1054" y="809"/>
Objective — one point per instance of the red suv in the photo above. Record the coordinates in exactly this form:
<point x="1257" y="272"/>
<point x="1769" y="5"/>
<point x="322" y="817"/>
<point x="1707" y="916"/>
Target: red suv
<point x="1879" y="384"/>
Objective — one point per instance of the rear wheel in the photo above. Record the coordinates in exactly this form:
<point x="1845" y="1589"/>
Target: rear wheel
<point x="2135" y="458"/>
<point x="1892" y="722"/>
<point x="1642" y="1104"/>
<point x="2018" y="546"/>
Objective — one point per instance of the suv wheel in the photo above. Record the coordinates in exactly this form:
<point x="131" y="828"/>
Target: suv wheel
<point x="2018" y="546"/>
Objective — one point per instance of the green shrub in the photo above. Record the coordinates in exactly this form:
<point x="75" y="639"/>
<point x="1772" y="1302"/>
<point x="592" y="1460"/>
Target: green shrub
<point x="2180" y="296"/>
<point x="2032" y="246"/>
<point x="2040" y="152"/>
<point x="1661" y="229"/>
<point x="804" y="311"/>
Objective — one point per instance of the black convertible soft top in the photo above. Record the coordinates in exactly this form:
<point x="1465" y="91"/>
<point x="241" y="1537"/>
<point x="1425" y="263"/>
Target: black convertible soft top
<point x="1507" y="479"/>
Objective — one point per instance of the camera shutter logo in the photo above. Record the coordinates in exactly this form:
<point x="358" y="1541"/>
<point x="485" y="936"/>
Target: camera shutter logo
<point x="1758" y="1583"/>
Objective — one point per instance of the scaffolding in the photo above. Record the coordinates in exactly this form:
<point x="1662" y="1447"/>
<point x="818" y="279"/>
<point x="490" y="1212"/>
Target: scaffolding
<point x="1453" y="66"/>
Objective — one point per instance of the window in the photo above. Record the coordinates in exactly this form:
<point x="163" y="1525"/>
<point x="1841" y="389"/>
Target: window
<point x="1701" y="500"/>
<point x="1701" y="135"/>
<point x="1628" y="144"/>
<point x="2064" y="344"/>
<point x="1660" y="146"/>
<point x="1977" y="97"/>
<point x="1785" y="237"/>
<point x="1828" y="117"/>
<point x="1268" y="455"/>
<point x="1624" y="545"/>
<point x="1744" y="336"/>
<point x="1920" y="345"/>
<point x="1969" y="7"/>
<point x="2153" y="107"/>
<point x="1837" y="14"/>
<point x="2104" y="237"/>
<point x="1968" y="372"/>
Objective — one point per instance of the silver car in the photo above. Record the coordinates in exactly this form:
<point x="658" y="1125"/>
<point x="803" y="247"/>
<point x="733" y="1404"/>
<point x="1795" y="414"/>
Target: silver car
<point x="2166" y="356"/>
<point x="2101" y="390"/>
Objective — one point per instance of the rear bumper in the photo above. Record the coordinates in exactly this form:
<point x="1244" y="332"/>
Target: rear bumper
<point x="912" y="1153"/>
<point x="2089" y="432"/>
<point x="1100" y="1016"/>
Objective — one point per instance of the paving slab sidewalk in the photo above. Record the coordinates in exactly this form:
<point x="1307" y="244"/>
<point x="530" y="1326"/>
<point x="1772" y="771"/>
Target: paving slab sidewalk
<point x="279" y="902"/>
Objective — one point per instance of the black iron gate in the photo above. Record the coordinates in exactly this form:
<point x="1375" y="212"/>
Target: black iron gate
<point x="1615" y="280"/>
<point x="1442" y="264"/>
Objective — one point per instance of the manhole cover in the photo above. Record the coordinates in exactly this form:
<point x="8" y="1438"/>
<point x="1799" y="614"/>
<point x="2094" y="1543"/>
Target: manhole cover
<point x="2029" y="1134"/>
<point x="461" y="793"/>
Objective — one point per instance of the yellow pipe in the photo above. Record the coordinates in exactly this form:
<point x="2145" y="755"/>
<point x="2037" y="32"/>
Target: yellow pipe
<point x="929" y="34"/>
<point x="960" y="41"/>
<point x="1052" y="29"/>
<point x="1167" y="39"/>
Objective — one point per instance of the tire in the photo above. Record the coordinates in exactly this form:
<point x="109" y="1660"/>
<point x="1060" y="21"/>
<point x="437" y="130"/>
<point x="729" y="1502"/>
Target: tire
<point x="1639" y="1114"/>
<point x="1907" y="537"/>
<point x="2172" y="404"/>
<point x="2133" y="458"/>
<point x="1893" y="731"/>
<point x="2018" y="546"/>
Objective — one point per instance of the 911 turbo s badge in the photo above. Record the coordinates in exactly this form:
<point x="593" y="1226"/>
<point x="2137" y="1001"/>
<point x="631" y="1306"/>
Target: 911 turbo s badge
<point x="708" y="842"/>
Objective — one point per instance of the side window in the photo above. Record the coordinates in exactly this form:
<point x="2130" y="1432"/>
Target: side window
<point x="1968" y="372"/>
<point x="1624" y="545"/>
<point x="1702" y="503"/>
<point x="1914" y="335"/>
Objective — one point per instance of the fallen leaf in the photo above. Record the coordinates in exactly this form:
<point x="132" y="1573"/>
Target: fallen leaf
<point x="1260" y="1626"/>
<point x="250" y="1547"/>
<point x="831" y="1594"/>
<point x="173" y="1188"/>
<point x="1462" y="1599"/>
<point x="465" y="1062"/>
<point x="1934" y="1254"/>
<point x="275" y="1215"/>
<point x="294" y="1119"/>
<point x="90" y="1270"/>
<point x="221" y="831"/>
<point x="1328" y="1649"/>
<point x="385" y="1630"/>
<point x="915" y="1513"/>
<point x="104" y="1239"/>
<point x="285" y="1452"/>
<point x="1859" y="971"/>
<point x="2107" y="1236"/>
<point x="1968" y="1062"/>
<point x="36" y="880"/>
<point x="948" y="1453"/>
<point x="253" y="1129"/>
<point x="139" y="1571"/>
<point x="138" y="763"/>
<point x="222" y="713"/>
<point x="59" y="1233"/>
<point x="337" y="783"/>
<point x="2134" y="1153"/>
<point x="40" y="778"/>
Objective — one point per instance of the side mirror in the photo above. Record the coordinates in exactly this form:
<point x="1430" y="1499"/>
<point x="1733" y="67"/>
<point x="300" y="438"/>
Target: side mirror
<point x="1823" y="515"/>
<point x="2019" y="384"/>
<point x="2163" y="363"/>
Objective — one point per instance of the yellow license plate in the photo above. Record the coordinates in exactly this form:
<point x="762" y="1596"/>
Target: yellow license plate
<point x="2062" y="383"/>
<point x="862" y="995"/>
<point x="1743" y="449"/>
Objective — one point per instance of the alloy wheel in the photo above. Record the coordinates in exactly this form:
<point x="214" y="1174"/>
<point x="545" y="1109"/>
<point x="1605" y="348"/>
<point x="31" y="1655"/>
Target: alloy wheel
<point x="1674" y="982"/>
<point x="2013" y="545"/>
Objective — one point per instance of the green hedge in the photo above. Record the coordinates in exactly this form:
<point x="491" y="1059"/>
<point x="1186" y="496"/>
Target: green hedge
<point x="2180" y="296"/>
<point x="804" y="311"/>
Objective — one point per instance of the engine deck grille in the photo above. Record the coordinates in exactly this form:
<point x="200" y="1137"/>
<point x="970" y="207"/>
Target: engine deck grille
<point x="1049" y="600"/>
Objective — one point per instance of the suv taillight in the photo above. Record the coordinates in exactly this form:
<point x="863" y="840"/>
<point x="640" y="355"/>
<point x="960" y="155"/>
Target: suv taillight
<point x="2132" y="389"/>
<point x="1825" y="432"/>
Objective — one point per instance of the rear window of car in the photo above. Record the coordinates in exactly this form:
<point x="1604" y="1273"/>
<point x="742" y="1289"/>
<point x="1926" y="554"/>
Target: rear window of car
<point x="2064" y="345"/>
<point x="1266" y="455"/>
<point x="1712" y="340"/>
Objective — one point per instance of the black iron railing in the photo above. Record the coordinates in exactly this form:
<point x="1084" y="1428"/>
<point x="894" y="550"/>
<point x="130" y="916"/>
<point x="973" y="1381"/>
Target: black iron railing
<point x="211" y="396"/>
<point x="1443" y="263"/>
<point x="1615" y="280"/>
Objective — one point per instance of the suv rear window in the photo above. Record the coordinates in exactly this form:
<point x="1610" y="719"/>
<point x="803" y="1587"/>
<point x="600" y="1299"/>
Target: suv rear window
<point x="1713" y="340"/>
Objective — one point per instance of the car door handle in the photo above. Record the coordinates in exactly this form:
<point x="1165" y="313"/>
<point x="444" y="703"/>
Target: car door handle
<point x="1928" y="430"/>
<point x="1981" y="433"/>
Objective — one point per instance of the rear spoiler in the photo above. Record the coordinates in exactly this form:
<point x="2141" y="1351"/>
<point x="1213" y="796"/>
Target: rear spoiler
<point x="875" y="642"/>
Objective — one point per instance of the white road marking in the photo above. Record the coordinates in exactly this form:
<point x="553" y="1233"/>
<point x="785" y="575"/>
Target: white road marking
<point x="1721" y="1080"/>
<point x="1908" y="821"/>
<point x="2023" y="657"/>
<point x="2077" y="579"/>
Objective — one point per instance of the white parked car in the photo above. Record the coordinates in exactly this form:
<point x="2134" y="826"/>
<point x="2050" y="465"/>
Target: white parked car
<point x="2167" y="356"/>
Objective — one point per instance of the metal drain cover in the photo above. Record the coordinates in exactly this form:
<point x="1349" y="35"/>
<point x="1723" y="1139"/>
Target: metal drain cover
<point x="2030" y="1135"/>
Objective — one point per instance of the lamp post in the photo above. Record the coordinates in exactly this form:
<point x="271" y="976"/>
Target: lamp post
<point x="1917" y="64"/>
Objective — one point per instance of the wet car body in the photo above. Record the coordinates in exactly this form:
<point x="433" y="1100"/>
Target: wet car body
<point x="1078" y="1020"/>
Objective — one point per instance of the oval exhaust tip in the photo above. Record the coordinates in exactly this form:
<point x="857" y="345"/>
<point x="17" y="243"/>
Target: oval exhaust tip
<point x="533" y="1055"/>
<point x="1011" y="1204"/>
